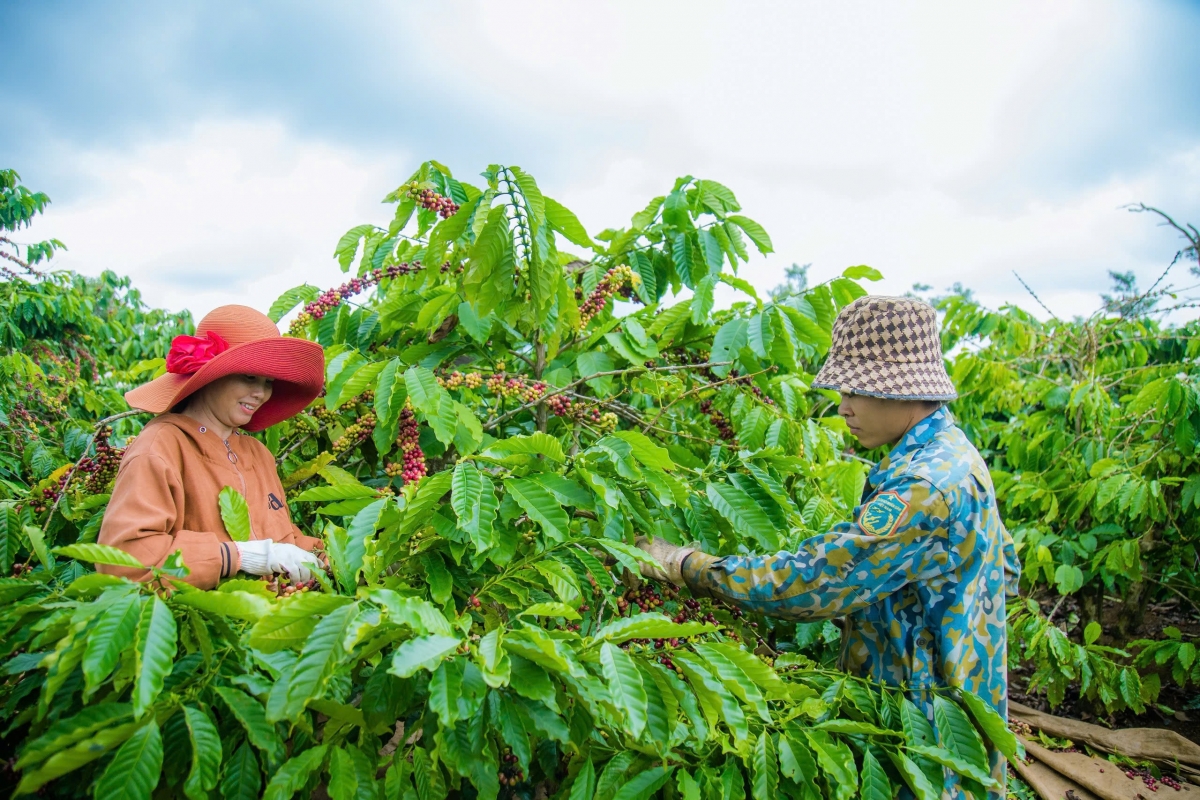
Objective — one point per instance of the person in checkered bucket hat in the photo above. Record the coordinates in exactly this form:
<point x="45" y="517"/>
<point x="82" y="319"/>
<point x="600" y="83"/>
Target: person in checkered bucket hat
<point x="920" y="572"/>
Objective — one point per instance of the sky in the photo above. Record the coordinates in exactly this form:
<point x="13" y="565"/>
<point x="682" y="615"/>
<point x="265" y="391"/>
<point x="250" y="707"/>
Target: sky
<point x="216" y="151"/>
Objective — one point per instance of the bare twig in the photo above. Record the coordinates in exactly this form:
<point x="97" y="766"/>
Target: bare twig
<point x="1034" y="295"/>
<point x="293" y="448"/>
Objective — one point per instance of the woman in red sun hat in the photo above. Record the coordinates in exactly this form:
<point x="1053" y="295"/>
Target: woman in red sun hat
<point x="236" y="374"/>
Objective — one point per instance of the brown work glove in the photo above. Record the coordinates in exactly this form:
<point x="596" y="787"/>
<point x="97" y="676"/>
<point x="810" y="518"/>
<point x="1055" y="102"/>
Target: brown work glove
<point x="669" y="556"/>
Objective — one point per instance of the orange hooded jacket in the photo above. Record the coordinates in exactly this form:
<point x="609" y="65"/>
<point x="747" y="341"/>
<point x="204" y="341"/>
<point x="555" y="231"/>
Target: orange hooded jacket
<point x="165" y="499"/>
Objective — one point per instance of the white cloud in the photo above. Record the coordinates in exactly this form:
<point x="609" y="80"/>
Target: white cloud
<point x="227" y="212"/>
<point x="937" y="143"/>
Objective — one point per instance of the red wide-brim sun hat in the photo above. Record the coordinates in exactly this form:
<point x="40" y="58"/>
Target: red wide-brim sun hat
<point x="238" y="340"/>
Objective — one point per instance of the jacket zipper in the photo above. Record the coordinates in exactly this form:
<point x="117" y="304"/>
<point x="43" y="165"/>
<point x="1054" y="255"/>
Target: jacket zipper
<point x="233" y="459"/>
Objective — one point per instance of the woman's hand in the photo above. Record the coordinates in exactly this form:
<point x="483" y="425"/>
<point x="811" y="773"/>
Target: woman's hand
<point x="267" y="557"/>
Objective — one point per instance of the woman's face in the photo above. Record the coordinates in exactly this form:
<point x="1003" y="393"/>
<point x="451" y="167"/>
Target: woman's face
<point x="234" y="398"/>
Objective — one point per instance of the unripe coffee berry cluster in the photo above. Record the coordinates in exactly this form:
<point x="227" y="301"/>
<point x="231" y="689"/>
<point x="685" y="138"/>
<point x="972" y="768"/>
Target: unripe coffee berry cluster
<point x="612" y="282"/>
<point x="408" y="435"/>
<point x="355" y="434"/>
<point x="330" y="299"/>
<point x="724" y="429"/>
<point x="429" y="199"/>
<point x="456" y="380"/>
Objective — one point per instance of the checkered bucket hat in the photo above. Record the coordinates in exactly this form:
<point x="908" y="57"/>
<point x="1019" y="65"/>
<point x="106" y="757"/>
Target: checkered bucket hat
<point x="887" y="347"/>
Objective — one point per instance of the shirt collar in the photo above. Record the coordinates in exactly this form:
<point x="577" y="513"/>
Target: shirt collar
<point x="918" y="436"/>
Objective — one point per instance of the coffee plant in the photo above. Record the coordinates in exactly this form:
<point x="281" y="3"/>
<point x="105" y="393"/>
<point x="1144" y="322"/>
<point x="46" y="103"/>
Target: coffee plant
<point x="509" y="402"/>
<point x="1091" y="427"/>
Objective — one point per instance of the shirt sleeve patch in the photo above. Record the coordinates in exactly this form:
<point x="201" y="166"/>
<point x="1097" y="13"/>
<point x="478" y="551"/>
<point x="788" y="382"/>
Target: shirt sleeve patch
<point x="882" y="513"/>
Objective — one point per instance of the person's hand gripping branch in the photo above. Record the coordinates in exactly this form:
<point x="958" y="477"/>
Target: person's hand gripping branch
<point x="670" y="559"/>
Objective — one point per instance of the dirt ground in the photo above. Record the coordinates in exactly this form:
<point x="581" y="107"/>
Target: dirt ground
<point x="1184" y="703"/>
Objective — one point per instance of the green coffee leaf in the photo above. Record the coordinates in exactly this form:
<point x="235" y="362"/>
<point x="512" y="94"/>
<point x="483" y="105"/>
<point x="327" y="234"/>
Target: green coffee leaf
<point x="947" y="759"/>
<point x="550" y="610"/>
<point x="82" y="752"/>
<point x="321" y="654"/>
<point x="250" y="713"/>
<point x="991" y="723"/>
<point x="238" y="605"/>
<point x="756" y="232"/>
<point x="862" y="272"/>
<point x="292" y="776"/>
<point x="423" y="652"/>
<point x="563" y="221"/>
<point x="644" y="784"/>
<point x="536" y="444"/>
<point x="206" y="754"/>
<point x="875" y="783"/>
<point x="342" y="492"/>
<point x="650" y="625"/>
<point x="134" y="771"/>
<point x="156" y="640"/>
<point x="916" y="780"/>
<point x="541" y="506"/>
<point x="584" y="787"/>
<point x="746" y="516"/>
<point x="625" y="685"/>
<point x="108" y="639"/>
<point x="766" y="768"/>
<point x="957" y="733"/>
<point x="65" y="733"/>
<point x="735" y="679"/>
<point x="292" y="620"/>
<point x="235" y="514"/>
<point x="242" y="780"/>
<point x="99" y="554"/>
<point x="473" y="498"/>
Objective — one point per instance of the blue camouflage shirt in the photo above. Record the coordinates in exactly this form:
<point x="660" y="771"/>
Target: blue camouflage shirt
<point x="920" y="574"/>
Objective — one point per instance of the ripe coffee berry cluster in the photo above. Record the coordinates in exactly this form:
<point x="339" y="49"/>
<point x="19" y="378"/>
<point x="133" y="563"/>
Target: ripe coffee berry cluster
<point x="429" y="199"/>
<point x="1148" y="778"/>
<point x="510" y="774"/>
<point x="330" y="299"/>
<point x="724" y="429"/>
<point x="355" y="434"/>
<point x="762" y="395"/>
<point x="42" y="500"/>
<point x="612" y="283"/>
<point x="101" y="468"/>
<point x="500" y="385"/>
<point x="284" y="586"/>
<point x="408" y="438"/>
<point x="646" y="598"/>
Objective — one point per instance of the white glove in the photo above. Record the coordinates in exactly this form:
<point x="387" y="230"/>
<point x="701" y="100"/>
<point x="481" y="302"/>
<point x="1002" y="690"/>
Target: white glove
<point x="266" y="557"/>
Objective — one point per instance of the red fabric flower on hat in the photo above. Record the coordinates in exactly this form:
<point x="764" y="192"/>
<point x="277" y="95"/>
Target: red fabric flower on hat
<point x="189" y="353"/>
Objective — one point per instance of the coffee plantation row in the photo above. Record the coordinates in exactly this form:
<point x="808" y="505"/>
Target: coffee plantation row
<point x="509" y="402"/>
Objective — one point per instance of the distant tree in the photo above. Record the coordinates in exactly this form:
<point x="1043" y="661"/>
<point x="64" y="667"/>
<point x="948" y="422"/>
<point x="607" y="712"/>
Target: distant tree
<point x="795" y="282"/>
<point x="18" y="207"/>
